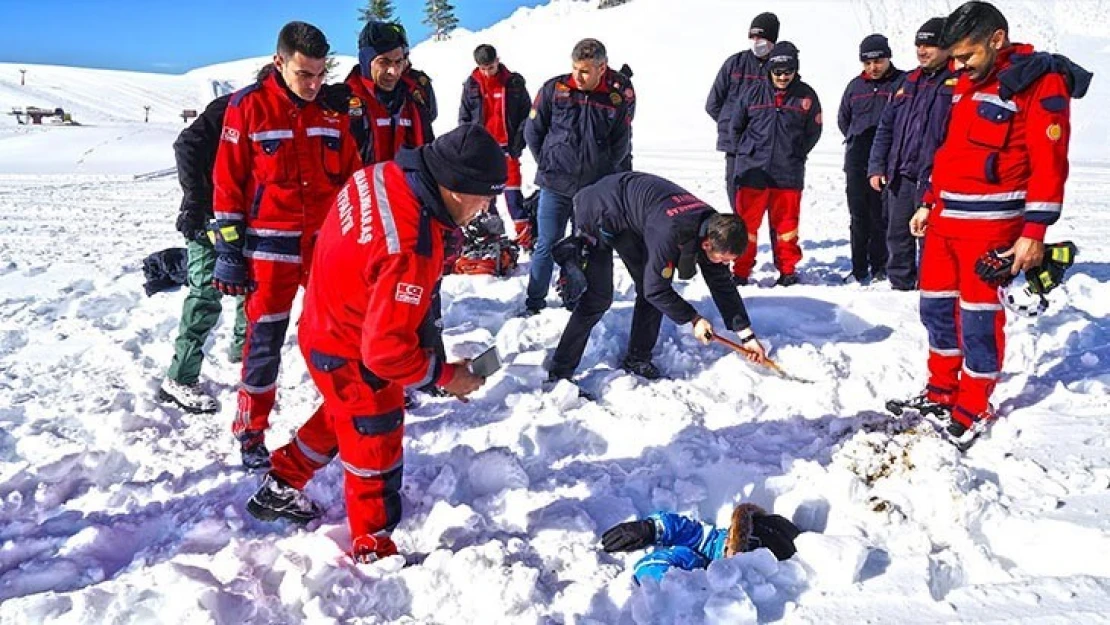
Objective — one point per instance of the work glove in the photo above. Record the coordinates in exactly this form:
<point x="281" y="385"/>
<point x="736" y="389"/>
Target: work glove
<point x="629" y="536"/>
<point x="230" y="275"/>
<point x="995" y="269"/>
<point x="1058" y="257"/>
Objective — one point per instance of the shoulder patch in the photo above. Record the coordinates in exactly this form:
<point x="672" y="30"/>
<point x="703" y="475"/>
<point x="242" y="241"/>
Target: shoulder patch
<point x="1054" y="104"/>
<point x="1054" y="132"/>
<point x="409" y="293"/>
<point x="615" y="98"/>
<point x="668" y="271"/>
<point x="354" y="107"/>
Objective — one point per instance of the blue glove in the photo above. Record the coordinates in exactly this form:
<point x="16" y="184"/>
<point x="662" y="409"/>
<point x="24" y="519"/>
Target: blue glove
<point x="230" y="273"/>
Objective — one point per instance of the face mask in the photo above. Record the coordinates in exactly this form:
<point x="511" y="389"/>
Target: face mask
<point x="761" y="47"/>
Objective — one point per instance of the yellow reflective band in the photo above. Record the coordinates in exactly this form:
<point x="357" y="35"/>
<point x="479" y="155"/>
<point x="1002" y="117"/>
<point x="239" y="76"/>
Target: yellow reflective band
<point x="211" y="237"/>
<point x="788" y="236"/>
<point x="1061" y="254"/>
<point x="229" y="233"/>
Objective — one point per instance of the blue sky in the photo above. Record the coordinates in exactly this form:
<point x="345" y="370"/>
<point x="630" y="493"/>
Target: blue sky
<point x="176" y="36"/>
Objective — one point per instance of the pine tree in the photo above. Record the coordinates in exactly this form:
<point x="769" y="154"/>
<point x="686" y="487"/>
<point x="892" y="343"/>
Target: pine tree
<point x="440" y="16"/>
<point x="380" y="10"/>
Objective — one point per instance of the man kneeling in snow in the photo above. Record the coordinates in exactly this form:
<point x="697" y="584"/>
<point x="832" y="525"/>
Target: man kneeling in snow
<point x="682" y="542"/>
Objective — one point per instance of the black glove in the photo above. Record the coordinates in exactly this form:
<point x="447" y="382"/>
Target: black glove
<point x="1058" y="258"/>
<point x="774" y="532"/>
<point x="994" y="269"/>
<point x="629" y="536"/>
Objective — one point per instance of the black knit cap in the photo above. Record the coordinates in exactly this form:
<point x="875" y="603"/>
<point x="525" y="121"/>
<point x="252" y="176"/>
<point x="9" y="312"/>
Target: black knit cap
<point x="381" y="37"/>
<point x="930" y="32"/>
<point x="467" y="160"/>
<point x="765" y="25"/>
<point x="874" y="47"/>
<point x="783" y="56"/>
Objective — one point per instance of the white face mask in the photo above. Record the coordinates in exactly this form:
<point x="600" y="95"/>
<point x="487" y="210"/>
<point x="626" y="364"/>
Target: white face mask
<point x="761" y="47"/>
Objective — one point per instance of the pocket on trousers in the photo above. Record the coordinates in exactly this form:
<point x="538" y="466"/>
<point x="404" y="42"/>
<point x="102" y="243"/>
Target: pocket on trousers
<point x="325" y="362"/>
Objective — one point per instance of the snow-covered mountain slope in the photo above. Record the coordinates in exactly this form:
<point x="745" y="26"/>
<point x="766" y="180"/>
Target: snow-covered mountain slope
<point x="115" y="508"/>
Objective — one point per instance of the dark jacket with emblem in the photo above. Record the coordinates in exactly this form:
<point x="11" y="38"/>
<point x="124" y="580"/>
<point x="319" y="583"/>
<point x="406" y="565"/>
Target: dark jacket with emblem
<point x="737" y="72"/>
<point x="669" y="222"/>
<point x="516" y="103"/>
<point x="425" y="95"/>
<point x="912" y="125"/>
<point x="774" y="131"/>
<point x="579" y="136"/>
<point x="861" y="109"/>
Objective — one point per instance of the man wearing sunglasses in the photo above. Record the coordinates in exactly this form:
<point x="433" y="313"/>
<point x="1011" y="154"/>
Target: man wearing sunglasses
<point x="774" y="126"/>
<point x="860" y="109"/>
<point x="737" y="72"/>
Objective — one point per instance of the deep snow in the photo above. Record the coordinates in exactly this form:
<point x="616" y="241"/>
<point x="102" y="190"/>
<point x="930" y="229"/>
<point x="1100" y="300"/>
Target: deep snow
<point x="115" y="508"/>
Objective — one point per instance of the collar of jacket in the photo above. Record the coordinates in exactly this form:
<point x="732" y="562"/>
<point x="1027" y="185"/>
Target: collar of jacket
<point x="890" y="72"/>
<point x="422" y="183"/>
<point x="500" y="79"/>
<point x="276" y="82"/>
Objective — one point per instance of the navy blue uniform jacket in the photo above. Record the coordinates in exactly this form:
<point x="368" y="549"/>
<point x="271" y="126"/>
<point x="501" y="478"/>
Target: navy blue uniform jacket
<point x="861" y="109"/>
<point x="774" y="133"/>
<point x="669" y="220"/>
<point x="579" y="136"/>
<point x="738" y="71"/>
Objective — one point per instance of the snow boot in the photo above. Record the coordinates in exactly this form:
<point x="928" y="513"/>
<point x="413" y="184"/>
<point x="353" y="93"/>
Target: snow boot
<point x="368" y="548"/>
<point x="252" y="447"/>
<point x="787" y="279"/>
<point x="922" y="405"/>
<point x="643" y="368"/>
<point x="189" y="397"/>
<point x="277" y="500"/>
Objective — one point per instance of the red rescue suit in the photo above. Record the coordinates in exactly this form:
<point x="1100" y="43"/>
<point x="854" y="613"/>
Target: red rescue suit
<point x="378" y="258"/>
<point x="280" y="162"/>
<point x="999" y="175"/>
<point x="381" y="132"/>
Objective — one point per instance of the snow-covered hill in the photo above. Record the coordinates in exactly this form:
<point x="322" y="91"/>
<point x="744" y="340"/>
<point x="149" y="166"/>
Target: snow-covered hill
<point x="114" y="508"/>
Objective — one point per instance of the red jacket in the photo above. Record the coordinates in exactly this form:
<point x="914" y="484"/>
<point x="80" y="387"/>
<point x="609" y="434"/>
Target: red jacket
<point x="380" y="133"/>
<point x="1001" y="169"/>
<point x="281" y="160"/>
<point x="378" y="258"/>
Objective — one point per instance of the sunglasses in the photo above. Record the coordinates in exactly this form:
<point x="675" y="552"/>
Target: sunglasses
<point x="783" y="72"/>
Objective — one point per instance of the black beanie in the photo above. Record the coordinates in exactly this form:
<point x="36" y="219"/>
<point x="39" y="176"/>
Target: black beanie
<point x="765" y="25"/>
<point x="380" y="37"/>
<point x="874" y="47"/>
<point x="467" y="160"/>
<point x="929" y="33"/>
<point x="783" y="56"/>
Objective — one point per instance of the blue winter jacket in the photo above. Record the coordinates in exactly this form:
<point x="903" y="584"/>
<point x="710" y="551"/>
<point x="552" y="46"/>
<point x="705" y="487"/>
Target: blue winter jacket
<point x="912" y="126"/>
<point x="681" y="543"/>
<point x="861" y="109"/>
<point x="774" y="133"/>
<point x="579" y="136"/>
<point x="669" y="221"/>
<point x="737" y="72"/>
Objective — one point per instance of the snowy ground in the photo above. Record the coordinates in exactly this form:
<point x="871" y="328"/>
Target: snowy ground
<point x="114" y="508"/>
